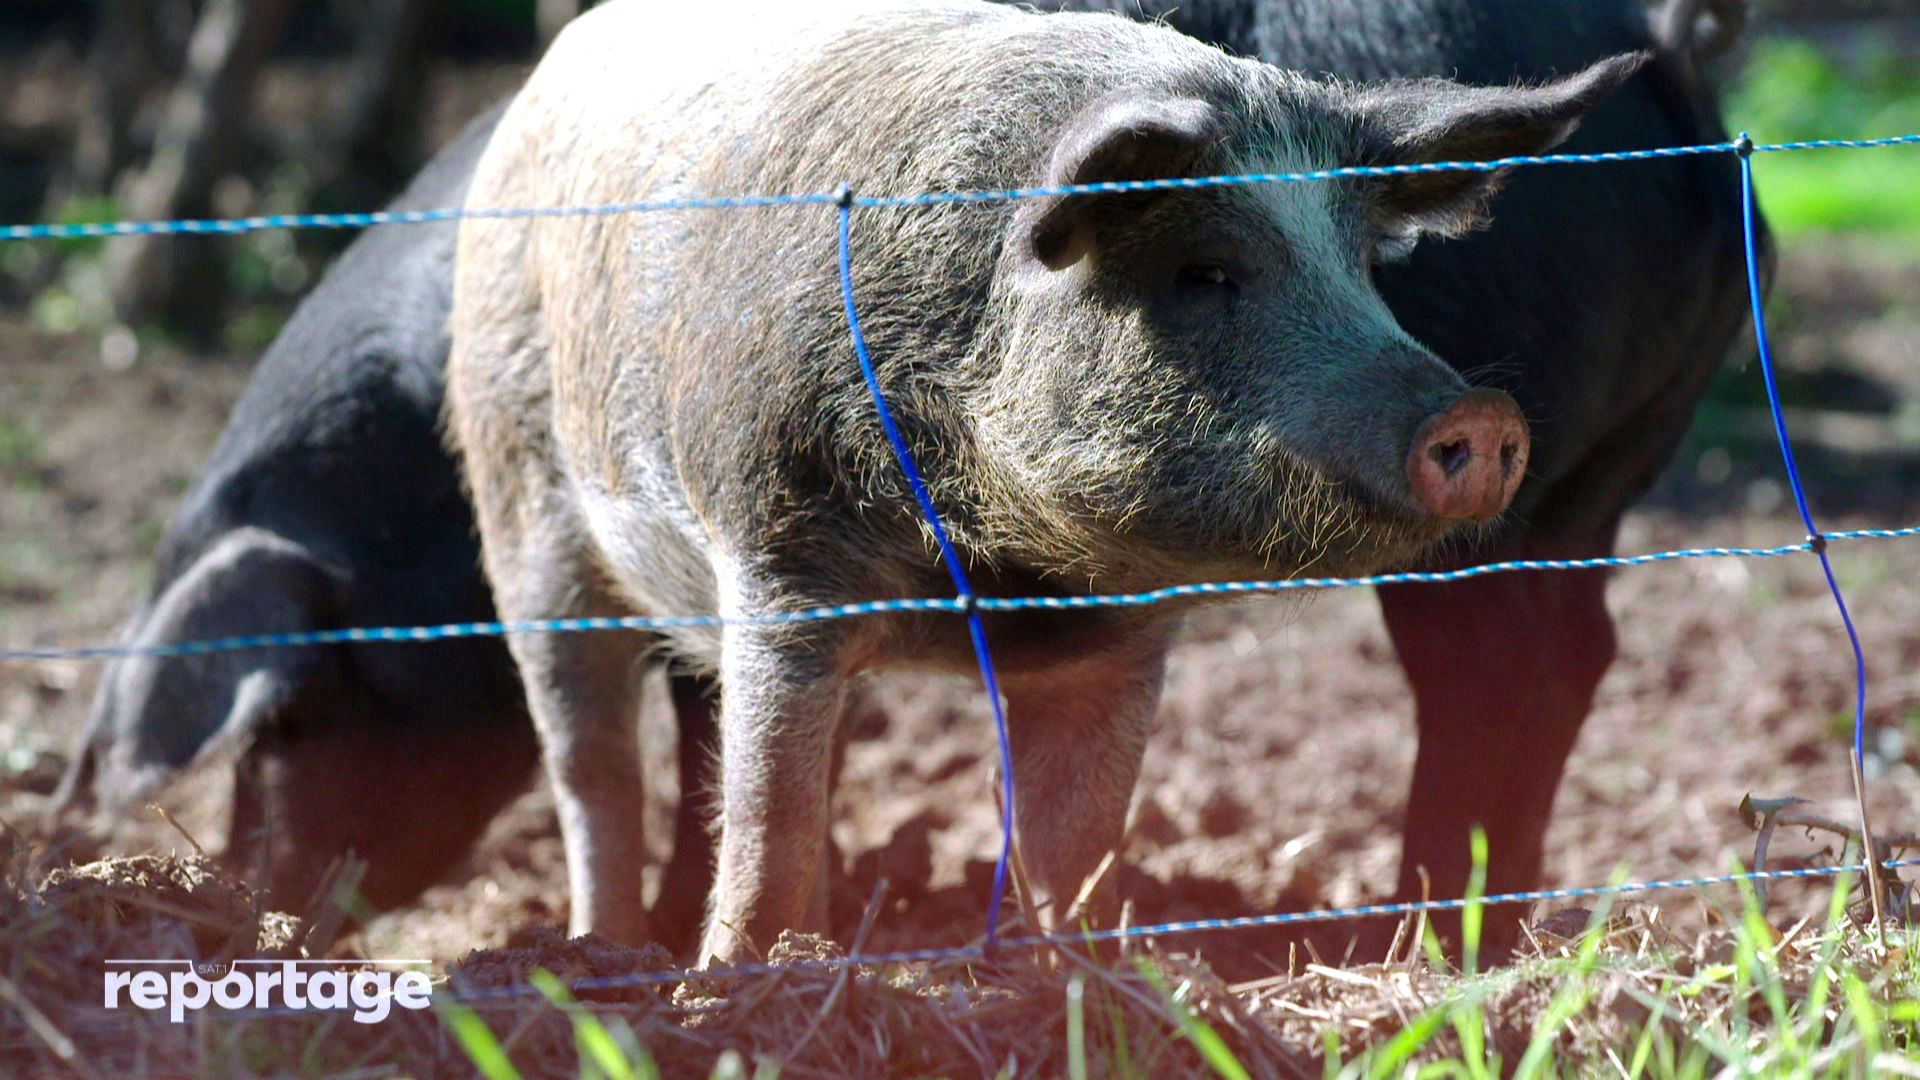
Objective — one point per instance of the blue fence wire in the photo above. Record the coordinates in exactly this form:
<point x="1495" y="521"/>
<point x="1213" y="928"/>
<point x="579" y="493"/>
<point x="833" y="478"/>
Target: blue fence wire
<point x="971" y="606"/>
<point x="229" y="226"/>
<point x="1744" y="148"/>
<point x="989" y="950"/>
<point x="657" y="623"/>
<point x="962" y="586"/>
<point x="1071" y="939"/>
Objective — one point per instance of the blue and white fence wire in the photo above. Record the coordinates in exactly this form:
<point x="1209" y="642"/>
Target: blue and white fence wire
<point x="964" y="602"/>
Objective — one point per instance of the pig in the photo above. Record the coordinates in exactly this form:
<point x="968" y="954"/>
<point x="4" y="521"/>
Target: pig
<point x="331" y="500"/>
<point x="660" y="413"/>
<point x="1655" y="256"/>
<point x="1602" y="298"/>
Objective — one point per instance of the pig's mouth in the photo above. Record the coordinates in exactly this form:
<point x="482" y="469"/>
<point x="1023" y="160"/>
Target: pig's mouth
<point x="1342" y="528"/>
<point x="1204" y="505"/>
<point x="1307" y="524"/>
<point x="1374" y="534"/>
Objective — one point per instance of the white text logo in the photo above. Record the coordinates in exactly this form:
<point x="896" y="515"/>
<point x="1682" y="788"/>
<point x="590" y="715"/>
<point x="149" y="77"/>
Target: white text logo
<point x="181" y="986"/>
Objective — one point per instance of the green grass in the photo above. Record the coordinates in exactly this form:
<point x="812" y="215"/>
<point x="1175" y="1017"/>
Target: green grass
<point x="1816" y="1014"/>
<point x="612" y="1053"/>
<point x="1790" y="90"/>
<point x="19" y="447"/>
<point x="1618" y="1001"/>
<point x="1212" y="1048"/>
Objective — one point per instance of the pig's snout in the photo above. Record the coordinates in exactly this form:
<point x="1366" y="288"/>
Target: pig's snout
<point x="1467" y="460"/>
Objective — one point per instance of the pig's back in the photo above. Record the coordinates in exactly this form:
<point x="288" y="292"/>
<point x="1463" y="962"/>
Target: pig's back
<point x="334" y="442"/>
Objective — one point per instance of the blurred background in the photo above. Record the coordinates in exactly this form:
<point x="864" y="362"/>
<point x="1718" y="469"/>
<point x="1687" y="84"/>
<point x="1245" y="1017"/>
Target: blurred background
<point x="190" y="108"/>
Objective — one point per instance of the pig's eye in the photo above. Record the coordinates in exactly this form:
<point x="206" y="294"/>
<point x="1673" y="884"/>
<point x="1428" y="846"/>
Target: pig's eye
<point x="1207" y="276"/>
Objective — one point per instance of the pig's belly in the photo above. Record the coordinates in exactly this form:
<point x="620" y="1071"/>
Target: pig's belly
<point x="654" y="547"/>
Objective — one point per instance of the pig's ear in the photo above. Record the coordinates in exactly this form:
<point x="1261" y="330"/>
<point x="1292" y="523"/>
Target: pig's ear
<point x="1127" y="139"/>
<point x="1417" y="121"/>
<point x="157" y="714"/>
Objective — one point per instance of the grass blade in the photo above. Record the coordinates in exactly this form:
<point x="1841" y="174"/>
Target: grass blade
<point x="1077" y="1028"/>
<point x="477" y="1040"/>
<point x="1213" y="1049"/>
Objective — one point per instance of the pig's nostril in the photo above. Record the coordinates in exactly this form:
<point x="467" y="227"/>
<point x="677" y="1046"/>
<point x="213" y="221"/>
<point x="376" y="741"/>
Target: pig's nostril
<point x="1466" y="461"/>
<point x="1452" y="456"/>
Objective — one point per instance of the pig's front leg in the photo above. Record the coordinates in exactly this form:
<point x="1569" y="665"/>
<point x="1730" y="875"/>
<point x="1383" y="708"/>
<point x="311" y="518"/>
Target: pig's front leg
<point x="580" y="688"/>
<point x="1504" y="669"/>
<point x="1078" y="734"/>
<point x="780" y="706"/>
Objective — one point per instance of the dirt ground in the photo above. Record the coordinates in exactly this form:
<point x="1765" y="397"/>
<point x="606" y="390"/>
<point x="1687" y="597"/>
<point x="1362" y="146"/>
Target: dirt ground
<point x="1278" y="767"/>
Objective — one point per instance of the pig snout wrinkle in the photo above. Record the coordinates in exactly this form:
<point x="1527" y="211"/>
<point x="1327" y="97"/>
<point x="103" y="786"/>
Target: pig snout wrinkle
<point x="1467" y="460"/>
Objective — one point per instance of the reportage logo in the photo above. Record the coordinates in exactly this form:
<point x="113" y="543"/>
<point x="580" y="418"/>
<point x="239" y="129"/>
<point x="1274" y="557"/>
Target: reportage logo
<point x="371" y="990"/>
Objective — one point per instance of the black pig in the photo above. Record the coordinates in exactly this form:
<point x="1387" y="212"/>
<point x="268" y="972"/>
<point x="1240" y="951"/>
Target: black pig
<point x="331" y="501"/>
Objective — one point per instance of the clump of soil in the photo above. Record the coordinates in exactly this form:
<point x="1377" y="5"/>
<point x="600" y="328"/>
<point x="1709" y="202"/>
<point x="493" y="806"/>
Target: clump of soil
<point x="820" y="1017"/>
<point x="60" y="931"/>
<point x="545" y="948"/>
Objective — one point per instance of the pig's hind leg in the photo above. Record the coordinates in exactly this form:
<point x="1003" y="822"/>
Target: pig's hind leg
<point x="688" y="877"/>
<point x="584" y="692"/>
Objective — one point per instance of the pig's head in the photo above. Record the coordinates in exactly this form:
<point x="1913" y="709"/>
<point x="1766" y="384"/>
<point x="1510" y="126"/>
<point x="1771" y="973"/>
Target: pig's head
<point x="1206" y="382"/>
<point x="327" y="760"/>
<point x="155" y="715"/>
